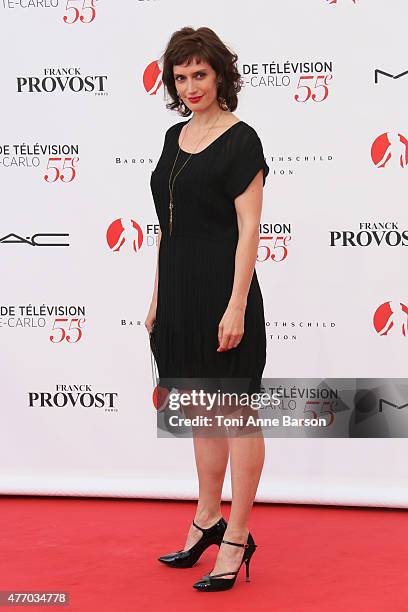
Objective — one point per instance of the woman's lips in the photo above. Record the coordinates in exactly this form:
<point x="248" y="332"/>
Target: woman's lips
<point x="194" y="100"/>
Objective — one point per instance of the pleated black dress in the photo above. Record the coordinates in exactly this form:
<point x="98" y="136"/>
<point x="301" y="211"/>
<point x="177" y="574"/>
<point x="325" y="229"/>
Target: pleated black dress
<point x="197" y="261"/>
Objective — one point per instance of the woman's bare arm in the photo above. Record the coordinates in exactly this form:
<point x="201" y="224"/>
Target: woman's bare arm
<point x="249" y="207"/>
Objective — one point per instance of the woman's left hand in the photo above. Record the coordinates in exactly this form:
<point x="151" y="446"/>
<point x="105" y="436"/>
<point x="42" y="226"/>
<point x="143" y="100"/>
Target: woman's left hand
<point x="231" y="328"/>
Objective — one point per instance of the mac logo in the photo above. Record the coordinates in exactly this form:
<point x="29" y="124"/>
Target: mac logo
<point x="388" y="74"/>
<point x="387" y="403"/>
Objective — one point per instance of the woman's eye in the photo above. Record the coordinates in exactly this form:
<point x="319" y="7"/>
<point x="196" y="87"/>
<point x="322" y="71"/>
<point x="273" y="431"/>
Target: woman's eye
<point x="198" y="74"/>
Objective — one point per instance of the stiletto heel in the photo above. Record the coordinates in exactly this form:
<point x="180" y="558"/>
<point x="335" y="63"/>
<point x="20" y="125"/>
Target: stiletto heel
<point x="214" y="583"/>
<point x="187" y="558"/>
<point x="247" y="569"/>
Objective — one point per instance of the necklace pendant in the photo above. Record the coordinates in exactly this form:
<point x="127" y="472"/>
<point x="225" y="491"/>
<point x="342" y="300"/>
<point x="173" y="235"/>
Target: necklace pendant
<point x="171" y="216"/>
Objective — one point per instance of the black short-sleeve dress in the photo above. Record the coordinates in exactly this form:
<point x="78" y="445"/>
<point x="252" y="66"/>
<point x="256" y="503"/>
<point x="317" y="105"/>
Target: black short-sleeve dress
<point x="197" y="262"/>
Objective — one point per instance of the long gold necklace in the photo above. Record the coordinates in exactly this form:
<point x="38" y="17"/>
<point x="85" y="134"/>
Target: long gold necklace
<point x="171" y="186"/>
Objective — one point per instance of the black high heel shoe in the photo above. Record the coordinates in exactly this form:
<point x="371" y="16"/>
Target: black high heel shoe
<point x="215" y="582"/>
<point x="187" y="558"/>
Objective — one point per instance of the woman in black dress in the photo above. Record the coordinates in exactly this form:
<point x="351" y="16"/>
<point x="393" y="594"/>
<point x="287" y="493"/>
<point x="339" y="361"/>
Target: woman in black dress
<point x="206" y="319"/>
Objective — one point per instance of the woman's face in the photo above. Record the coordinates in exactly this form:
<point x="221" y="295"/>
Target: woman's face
<point x="196" y="84"/>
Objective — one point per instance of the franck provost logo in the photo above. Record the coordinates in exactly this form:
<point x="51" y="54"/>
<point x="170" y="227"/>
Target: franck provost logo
<point x="79" y="397"/>
<point x="391" y="318"/>
<point x="62" y="80"/>
<point x="390" y="149"/>
<point x="368" y="234"/>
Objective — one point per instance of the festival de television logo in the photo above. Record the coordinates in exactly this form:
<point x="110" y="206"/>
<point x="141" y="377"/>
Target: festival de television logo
<point x="66" y="321"/>
<point x="390" y="148"/>
<point x="125" y="234"/>
<point x="391" y="318"/>
<point x="75" y="13"/>
<point x="61" y="159"/>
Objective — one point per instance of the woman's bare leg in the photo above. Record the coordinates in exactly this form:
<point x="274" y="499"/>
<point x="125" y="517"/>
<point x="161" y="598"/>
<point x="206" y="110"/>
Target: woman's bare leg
<point x="211" y="455"/>
<point x="247" y="455"/>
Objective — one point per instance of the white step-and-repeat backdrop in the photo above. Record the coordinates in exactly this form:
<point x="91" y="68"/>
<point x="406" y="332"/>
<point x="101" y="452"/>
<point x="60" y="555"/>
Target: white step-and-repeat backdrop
<point x="83" y="119"/>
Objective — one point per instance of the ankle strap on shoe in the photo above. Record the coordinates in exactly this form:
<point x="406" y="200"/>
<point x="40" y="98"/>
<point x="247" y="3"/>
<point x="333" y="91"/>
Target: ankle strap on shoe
<point x="235" y="544"/>
<point x="198" y="527"/>
<point x="219" y="575"/>
<point x="208" y="528"/>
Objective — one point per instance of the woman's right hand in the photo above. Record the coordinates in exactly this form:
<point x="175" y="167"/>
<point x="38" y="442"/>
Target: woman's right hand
<point x="151" y="317"/>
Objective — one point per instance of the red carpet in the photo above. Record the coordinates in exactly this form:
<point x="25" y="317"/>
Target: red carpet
<point x="103" y="551"/>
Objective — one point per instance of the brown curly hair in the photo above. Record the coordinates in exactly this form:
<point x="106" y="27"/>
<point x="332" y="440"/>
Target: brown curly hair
<point x="204" y="45"/>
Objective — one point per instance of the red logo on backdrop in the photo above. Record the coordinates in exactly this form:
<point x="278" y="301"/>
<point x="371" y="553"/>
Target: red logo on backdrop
<point x="124" y="234"/>
<point x="335" y="1"/>
<point x="151" y="78"/>
<point x="390" y="148"/>
<point x="391" y="316"/>
<point x="160" y="395"/>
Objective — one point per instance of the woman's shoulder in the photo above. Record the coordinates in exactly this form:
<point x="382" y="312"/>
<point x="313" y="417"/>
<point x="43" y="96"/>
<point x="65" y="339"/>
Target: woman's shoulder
<point x="175" y="127"/>
<point x="244" y="135"/>
<point x="248" y="129"/>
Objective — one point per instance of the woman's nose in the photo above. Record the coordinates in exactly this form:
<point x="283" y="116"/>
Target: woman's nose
<point x="191" y="88"/>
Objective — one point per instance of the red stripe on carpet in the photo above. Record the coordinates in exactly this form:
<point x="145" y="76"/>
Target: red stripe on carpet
<point x="104" y="552"/>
